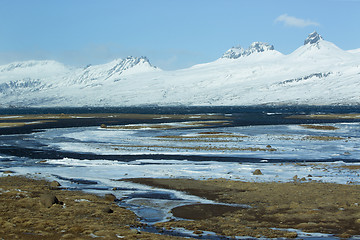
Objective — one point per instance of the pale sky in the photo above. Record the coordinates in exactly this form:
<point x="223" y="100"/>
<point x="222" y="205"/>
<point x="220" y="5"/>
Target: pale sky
<point x="173" y="34"/>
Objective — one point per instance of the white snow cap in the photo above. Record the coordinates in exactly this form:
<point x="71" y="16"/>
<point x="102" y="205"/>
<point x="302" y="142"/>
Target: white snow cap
<point x="260" y="47"/>
<point x="234" y="52"/>
<point x="313" y="37"/>
<point x="255" y="47"/>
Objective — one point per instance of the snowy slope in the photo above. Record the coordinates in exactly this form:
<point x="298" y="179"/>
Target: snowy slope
<point x="317" y="73"/>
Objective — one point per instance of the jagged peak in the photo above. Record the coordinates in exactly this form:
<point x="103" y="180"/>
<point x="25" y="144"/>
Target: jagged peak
<point x="255" y="47"/>
<point x="234" y="52"/>
<point x="132" y="61"/>
<point x="313" y="38"/>
<point x="260" y="47"/>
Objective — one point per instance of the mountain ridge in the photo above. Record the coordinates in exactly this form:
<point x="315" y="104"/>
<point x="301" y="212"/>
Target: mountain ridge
<point x="317" y="73"/>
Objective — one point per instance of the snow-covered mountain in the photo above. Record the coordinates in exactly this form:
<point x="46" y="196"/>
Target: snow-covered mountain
<point x="317" y="73"/>
<point x="255" y="47"/>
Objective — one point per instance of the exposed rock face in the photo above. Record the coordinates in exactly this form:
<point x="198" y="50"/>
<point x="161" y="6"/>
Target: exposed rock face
<point x="108" y="210"/>
<point x="110" y="197"/>
<point x="257" y="172"/>
<point x="259" y="47"/>
<point x="54" y="185"/>
<point x="234" y="52"/>
<point x="48" y="199"/>
<point x="255" y="47"/>
<point x="313" y="37"/>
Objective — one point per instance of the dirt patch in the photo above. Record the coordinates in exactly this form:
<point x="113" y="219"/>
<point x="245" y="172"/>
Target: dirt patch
<point x="75" y="215"/>
<point x="202" y="211"/>
<point x="309" y="206"/>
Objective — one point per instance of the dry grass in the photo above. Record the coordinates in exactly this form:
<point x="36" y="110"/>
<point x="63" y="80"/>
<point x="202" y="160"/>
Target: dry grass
<point x="20" y="124"/>
<point x="195" y="148"/>
<point x="323" y="138"/>
<point x="138" y="127"/>
<point x="209" y="137"/>
<point x="327" y="116"/>
<point x="167" y="126"/>
<point x="351" y="167"/>
<point x="203" y="140"/>
<point x="310" y="207"/>
<point x="318" y="127"/>
<point x="205" y="135"/>
<point x="207" y="123"/>
<point x="23" y="217"/>
<point x="11" y="124"/>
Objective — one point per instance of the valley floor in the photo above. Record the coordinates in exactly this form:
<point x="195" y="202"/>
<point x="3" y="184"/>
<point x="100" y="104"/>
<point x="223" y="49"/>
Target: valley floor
<point x="203" y="176"/>
<point x="77" y="216"/>
<point x="276" y="210"/>
<point x="311" y="207"/>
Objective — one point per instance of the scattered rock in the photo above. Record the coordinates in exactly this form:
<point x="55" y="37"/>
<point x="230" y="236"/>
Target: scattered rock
<point x="291" y="235"/>
<point x="257" y="172"/>
<point x="8" y="172"/>
<point x="103" y="126"/>
<point x="268" y="146"/>
<point x="68" y="236"/>
<point x="110" y="197"/>
<point x="344" y="236"/>
<point x="48" y="199"/>
<point x="133" y="230"/>
<point x="54" y="185"/>
<point x="295" y="178"/>
<point x="198" y="232"/>
<point x="108" y="210"/>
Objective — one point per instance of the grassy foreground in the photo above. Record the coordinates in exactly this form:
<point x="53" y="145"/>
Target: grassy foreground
<point x="312" y="207"/>
<point x="307" y="206"/>
<point x="78" y="216"/>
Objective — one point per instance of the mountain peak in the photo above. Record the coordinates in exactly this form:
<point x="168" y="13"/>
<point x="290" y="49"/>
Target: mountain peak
<point x="255" y="47"/>
<point x="234" y="52"/>
<point x="313" y="37"/>
<point x="260" y="47"/>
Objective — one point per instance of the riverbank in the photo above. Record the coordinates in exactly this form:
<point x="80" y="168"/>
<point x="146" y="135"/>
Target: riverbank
<point x="96" y="152"/>
<point x="312" y="207"/>
<point x="25" y="213"/>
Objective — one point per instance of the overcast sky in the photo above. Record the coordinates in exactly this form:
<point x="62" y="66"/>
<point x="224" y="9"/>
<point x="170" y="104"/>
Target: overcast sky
<point x="173" y="34"/>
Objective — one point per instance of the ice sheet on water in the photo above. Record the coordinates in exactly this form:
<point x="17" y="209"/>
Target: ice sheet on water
<point x="267" y="142"/>
<point x="104" y="171"/>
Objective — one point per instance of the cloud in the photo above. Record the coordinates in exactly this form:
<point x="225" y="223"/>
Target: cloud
<point x="294" y="22"/>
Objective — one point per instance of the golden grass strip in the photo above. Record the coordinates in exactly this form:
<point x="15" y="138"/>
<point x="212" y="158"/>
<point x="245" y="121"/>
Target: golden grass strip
<point x="318" y="127"/>
<point x="323" y="138"/>
<point x="198" y="148"/>
<point x="327" y="116"/>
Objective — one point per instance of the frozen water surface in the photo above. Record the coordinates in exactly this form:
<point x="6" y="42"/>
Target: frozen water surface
<point x="234" y="152"/>
<point x="290" y="142"/>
